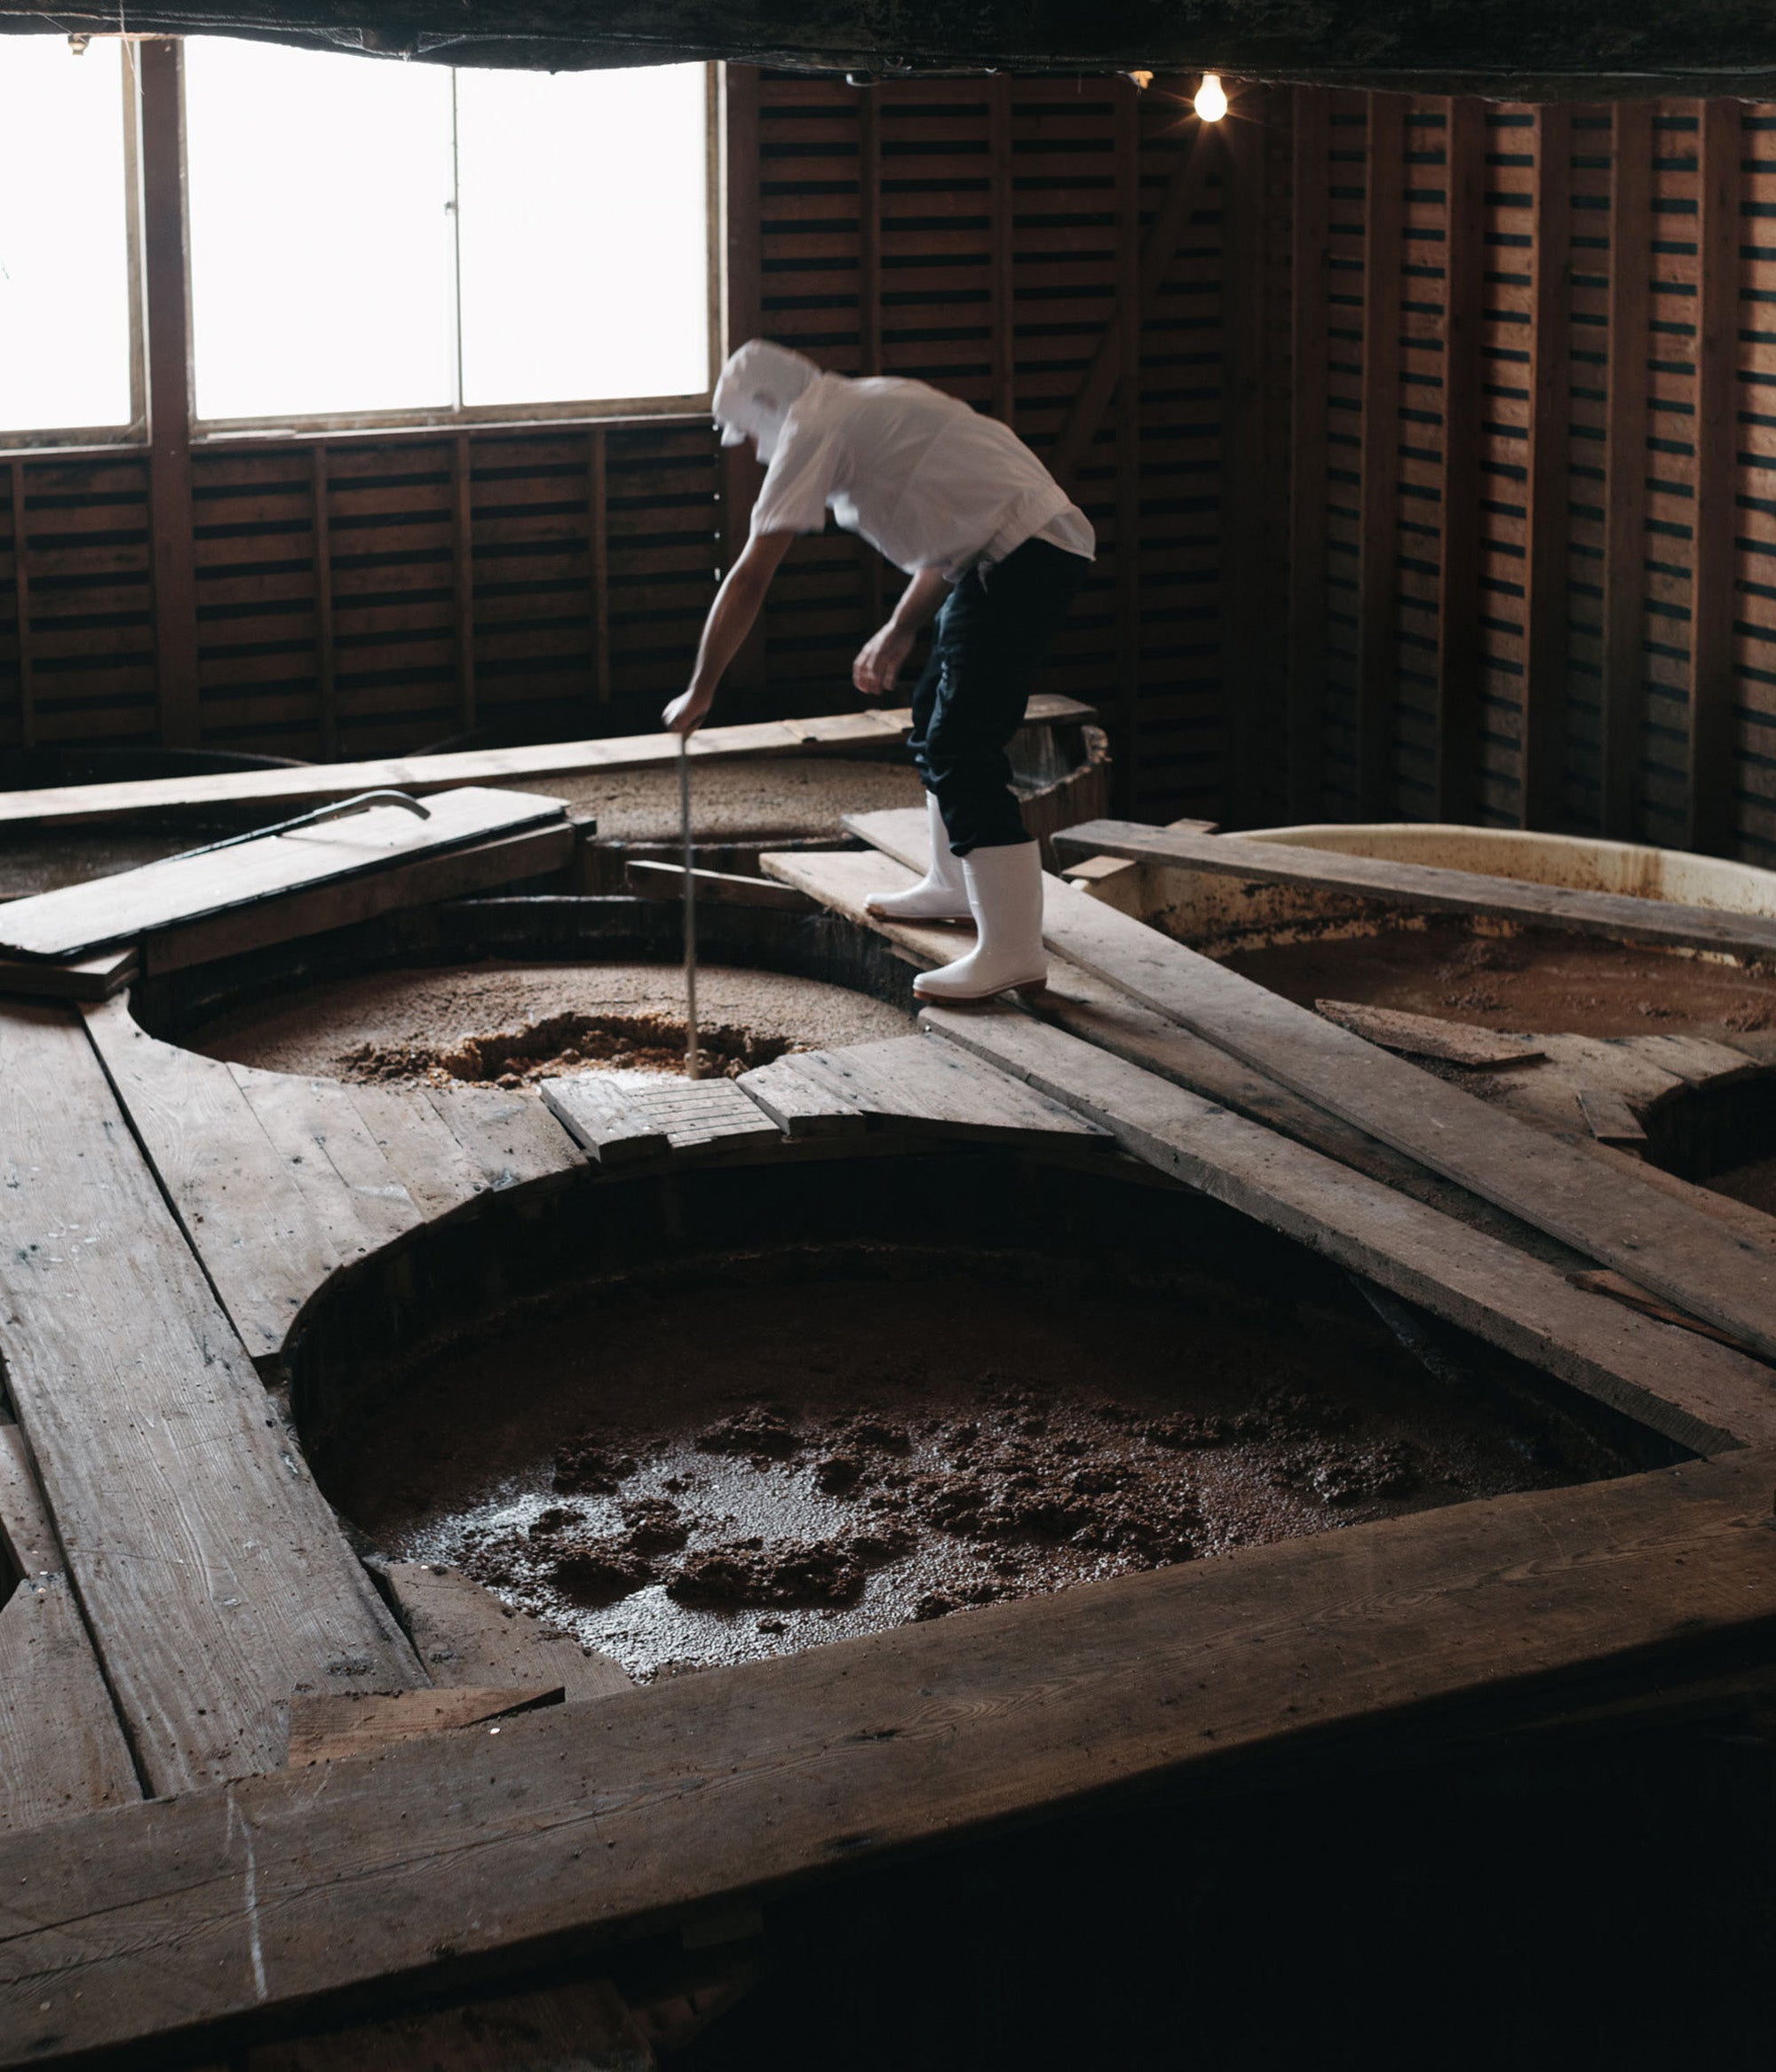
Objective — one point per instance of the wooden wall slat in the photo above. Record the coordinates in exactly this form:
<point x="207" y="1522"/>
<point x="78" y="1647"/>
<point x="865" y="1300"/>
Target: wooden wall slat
<point x="1457" y="660"/>
<point x="1378" y="547"/>
<point x="1308" y="451"/>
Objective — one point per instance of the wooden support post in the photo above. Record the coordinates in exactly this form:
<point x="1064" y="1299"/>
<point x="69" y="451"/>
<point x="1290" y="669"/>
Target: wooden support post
<point x="463" y="569"/>
<point x="22" y="599"/>
<point x="742" y="319"/>
<point x="1458" y="566"/>
<point x="1128" y="560"/>
<point x="1709" y="818"/>
<point x="870" y="295"/>
<point x="160" y="127"/>
<point x="1000" y="255"/>
<point x="598" y="538"/>
<point x="1308" y="230"/>
<point x="1624" y="601"/>
<point x="326" y="665"/>
<point x="1546" y="489"/>
<point x="1378" y="516"/>
<point x="1245" y="575"/>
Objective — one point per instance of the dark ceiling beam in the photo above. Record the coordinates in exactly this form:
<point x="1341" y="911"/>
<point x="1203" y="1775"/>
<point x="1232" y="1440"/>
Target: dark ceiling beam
<point x="1516" y="49"/>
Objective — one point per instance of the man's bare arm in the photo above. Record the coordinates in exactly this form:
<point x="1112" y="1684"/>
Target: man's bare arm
<point x="879" y="661"/>
<point x="730" y="618"/>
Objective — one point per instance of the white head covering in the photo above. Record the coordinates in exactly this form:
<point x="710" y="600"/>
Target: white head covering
<point x="758" y="387"/>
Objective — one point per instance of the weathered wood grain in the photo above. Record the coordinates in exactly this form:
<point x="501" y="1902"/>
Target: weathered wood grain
<point x="464" y="1635"/>
<point x="214" y="1578"/>
<point x="62" y="1750"/>
<point x="247" y="1903"/>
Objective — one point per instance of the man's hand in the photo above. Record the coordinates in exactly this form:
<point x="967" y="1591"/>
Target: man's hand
<point x="879" y="661"/>
<point x="686" y="712"/>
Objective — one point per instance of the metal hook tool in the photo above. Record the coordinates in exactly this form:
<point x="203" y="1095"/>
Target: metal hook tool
<point x="694" y="1063"/>
<point x="337" y="810"/>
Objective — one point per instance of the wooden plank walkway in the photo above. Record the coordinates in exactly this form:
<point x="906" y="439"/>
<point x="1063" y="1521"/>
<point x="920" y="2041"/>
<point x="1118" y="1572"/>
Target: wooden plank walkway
<point x="1429" y="889"/>
<point x="214" y="1907"/>
<point x="213" y="1577"/>
<point x="78" y="919"/>
<point x="62" y="1750"/>
<point x="280" y="1181"/>
<point x="1691" y="1258"/>
<point x="315" y="783"/>
<point x="1702" y="1394"/>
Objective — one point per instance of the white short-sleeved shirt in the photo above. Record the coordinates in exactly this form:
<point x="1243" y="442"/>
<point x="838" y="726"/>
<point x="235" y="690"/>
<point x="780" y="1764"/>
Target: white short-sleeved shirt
<point x="926" y="481"/>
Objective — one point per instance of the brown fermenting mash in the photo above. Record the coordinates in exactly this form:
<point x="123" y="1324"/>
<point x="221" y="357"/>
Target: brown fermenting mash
<point x="730" y="1470"/>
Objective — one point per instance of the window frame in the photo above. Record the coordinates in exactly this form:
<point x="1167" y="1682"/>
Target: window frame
<point x="61" y="438"/>
<point x="455" y="416"/>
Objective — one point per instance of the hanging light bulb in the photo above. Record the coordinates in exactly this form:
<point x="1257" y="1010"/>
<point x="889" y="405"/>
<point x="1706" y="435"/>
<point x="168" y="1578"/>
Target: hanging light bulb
<point x="1211" y="98"/>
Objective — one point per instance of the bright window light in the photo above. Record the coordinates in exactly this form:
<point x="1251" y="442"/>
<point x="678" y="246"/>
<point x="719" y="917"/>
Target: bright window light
<point x="584" y="234"/>
<point x="319" y="190"/>
<point x="369" y="237"/>
<point x="65" y="348"/>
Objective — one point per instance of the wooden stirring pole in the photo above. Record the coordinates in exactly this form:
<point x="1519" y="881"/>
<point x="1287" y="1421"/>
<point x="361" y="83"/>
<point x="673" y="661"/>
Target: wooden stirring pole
<point x="693" y="1062"/>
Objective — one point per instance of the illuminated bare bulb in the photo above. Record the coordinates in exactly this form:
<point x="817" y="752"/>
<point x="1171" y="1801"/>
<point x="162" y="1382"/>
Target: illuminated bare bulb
<point x="1211" y="98"/>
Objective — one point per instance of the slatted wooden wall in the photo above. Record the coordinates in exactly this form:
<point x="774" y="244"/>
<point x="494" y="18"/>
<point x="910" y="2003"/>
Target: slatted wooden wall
<point x="368" y="594"/>
<point x="1533" y="517"/>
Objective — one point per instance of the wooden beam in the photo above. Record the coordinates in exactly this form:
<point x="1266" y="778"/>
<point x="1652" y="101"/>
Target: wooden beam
<point x="1378" y="515"/>
<point x="597" y="541"/>
<point x="1001" y="248"/>
<point x="1625" y="471"/>
<point x="1547" y="490"/>
<point x="1711" y="816"/>
<point x="1127" y="140"/>
<point x="326" y="663"/>
<point x="1309" y="234"/>
<point x="1428" y="888"/>
<point x="21" y="599"/>
<point x="1458" y="561"/>
<point x="463" y="576"/>
<point x="585" y="1819"/>
<point x="166" y="294"/>
<point x="1189" y="184"/>
<point x="1246" y="576"/>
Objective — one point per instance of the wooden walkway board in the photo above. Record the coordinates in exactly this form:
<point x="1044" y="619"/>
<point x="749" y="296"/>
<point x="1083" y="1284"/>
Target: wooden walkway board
<point x="1702" y="1395"/>
<point x="464" y="1635"/>
<point x="314" y="783"/>
<point x="802" y="1101"/>
<point x="78" y="919"/>
<point x="714" y="1787"/>
<point x="1428" y="888"/>
<point x="1427" y="1035"/>
<point x="93" y="978"/>
<point x="1693" y="1259"/>
<point x="911" y="1080"/>
<point x="214" y="1578"/>
<point x="62" y="1746"/>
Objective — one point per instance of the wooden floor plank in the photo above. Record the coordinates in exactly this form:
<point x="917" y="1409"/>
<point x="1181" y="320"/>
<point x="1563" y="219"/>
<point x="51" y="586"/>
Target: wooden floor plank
<point x="62" y="1750"/>
<point x="1699" y="1394"/>
<point x="77" y="919"/>
<point x="909" y="1079"/>
<point x="314" y="783"/>
<point x="1692" y="1258"/>
<point x="511" y="1137"/>
<point x="1430" y="889"/>
<point x="741" y="1782"/>
<point x="214" y="1578"/>
<point x="464" y="1635"/>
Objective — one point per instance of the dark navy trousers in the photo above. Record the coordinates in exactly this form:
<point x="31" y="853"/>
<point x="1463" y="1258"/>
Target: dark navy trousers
<point x="989" y="642"/>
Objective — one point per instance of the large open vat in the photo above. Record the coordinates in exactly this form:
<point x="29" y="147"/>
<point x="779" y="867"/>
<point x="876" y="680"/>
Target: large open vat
<point x="711" y="1417"/>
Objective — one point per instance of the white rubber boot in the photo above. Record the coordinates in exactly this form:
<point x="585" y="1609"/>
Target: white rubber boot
<point x="1005" y="890"/>
<point x="941" y="894"/>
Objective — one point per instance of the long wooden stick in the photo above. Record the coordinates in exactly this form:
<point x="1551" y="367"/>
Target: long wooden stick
<point x="693" y="1055"/>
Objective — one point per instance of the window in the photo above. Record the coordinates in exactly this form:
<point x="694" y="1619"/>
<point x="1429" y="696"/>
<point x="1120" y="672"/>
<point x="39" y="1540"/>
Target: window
<point x="374" y="240"/>
<point x="67" y="356"/>
<point x="369" y="242"/>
